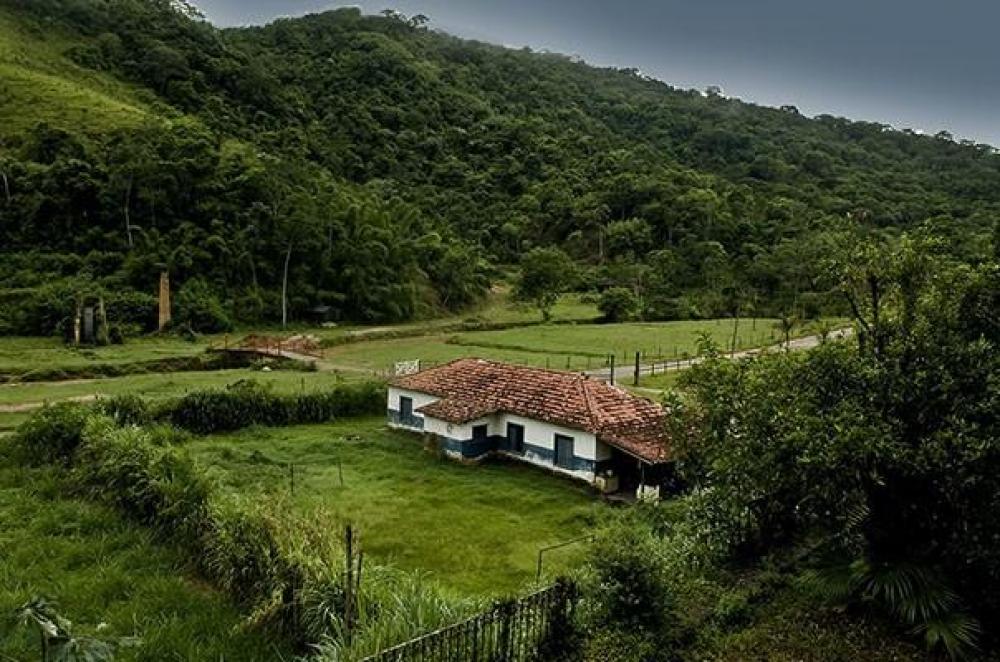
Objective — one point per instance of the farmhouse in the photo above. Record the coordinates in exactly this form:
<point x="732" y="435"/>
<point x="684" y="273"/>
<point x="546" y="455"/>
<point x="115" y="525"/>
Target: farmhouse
<point x="566" y="422"/>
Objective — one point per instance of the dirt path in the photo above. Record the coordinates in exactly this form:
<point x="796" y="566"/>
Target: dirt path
<point x="623" y="372"/>
<point x="22" y="407"/>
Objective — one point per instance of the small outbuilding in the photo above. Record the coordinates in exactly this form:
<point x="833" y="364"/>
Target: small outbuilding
<point x="563" y="421"/>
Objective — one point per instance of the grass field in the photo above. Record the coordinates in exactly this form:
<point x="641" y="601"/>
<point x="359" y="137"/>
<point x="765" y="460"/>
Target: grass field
<point x="160" y="385"/>
<point x="564" y="346"/>
<point x="474" y="529"/>
<point x="20" y="354"/>
<point x="99" y="569"/>
<point x="661" y="381"/>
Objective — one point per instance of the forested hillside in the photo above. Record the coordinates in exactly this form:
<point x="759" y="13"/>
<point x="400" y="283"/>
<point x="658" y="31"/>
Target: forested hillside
<point x="373" y="165"/>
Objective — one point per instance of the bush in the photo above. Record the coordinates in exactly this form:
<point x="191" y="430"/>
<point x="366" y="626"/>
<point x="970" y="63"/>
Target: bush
<point x="618" y="304"/>
<point x="155" y="485"/>
<point x="247" y="403"/>
<point x="628" y="577"/>
<point x="51" y="434"/>
<point x="628" y="603"/>
<point x="126" y="410"/>
<point x="198" y="307"/>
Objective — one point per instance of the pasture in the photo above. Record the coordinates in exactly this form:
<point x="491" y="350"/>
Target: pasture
<point x="475" y="530"/>
<point x="563" y="346"/>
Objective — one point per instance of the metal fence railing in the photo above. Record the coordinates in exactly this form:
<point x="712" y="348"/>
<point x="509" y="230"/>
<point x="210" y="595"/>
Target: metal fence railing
<point x="508" y="632"/>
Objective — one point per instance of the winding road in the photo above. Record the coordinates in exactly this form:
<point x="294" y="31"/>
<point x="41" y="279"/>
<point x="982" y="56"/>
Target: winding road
<point x="626" y="372"/>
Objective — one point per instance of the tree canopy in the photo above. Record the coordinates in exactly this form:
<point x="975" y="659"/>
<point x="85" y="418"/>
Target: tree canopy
<point x="389" y="166"/>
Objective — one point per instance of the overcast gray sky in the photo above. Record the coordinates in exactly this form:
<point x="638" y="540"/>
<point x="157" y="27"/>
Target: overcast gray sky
<point x="920" y="64"/>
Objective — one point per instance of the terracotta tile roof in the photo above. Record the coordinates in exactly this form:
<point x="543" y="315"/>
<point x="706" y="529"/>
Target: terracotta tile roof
<point x="472" y="388"/>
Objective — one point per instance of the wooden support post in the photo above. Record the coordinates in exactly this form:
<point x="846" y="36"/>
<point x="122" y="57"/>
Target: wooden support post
<point x="637" y="356"/>
<point x="612" y="369"/>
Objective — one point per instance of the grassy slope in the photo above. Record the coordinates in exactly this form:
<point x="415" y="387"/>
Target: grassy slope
<point x="99" y="569"/>
<point x="475" y="529"/>
<point x="37" y="83"/>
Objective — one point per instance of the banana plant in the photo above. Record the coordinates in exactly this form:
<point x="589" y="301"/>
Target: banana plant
<point x="56" y="639"/>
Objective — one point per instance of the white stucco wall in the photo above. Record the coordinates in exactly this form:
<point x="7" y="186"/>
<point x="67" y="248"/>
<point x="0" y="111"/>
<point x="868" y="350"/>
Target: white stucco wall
<point x="536" y="433"/>
<point x="460" y="431"/>
<point x="419" y="400"/>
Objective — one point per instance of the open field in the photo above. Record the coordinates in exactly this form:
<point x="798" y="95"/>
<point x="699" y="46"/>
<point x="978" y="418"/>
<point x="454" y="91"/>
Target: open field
<point x="20" y="354"/>
<point x="564" y="346"/>
<point x="161" y="385"/>
<point x="98" y="569"/>
<point x="474" y="529"/>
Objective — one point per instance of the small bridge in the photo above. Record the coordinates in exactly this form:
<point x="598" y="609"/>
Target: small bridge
<point x="294" y="348"/>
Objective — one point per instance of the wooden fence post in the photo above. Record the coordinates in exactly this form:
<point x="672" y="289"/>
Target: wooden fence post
<point x="349" y="583"/>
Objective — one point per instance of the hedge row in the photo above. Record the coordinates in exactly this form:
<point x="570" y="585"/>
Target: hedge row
<point x="246" y="403"/>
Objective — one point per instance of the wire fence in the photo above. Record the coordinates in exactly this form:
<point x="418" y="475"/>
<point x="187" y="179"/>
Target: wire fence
<point x="511" y="631"/>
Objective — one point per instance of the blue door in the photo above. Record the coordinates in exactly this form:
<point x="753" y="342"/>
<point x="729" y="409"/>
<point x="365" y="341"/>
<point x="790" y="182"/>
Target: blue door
<point x="564" y="451"/>
<point x="515" y="437"/>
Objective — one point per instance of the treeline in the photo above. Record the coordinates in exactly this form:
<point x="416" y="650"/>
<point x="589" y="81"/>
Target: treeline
<point x="862" y="475"/>
<point x="372" y="165"/>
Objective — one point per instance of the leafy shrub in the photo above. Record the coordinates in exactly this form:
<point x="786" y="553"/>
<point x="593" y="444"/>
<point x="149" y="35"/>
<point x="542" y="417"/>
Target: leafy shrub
<point x="197" y="306"/>
<point x="628" y="577"/>
<point x="618" y="304"/>
<point x="155" y="485"/>
<point x="247" y="403"/>
<point x="628" y="603"/>
<point x="51" y="434"/>
<point x="126" y="410"/>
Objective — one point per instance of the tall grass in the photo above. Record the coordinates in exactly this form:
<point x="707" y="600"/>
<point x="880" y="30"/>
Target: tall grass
<point x="393" y="607"/>
<point x="285" y="573"/>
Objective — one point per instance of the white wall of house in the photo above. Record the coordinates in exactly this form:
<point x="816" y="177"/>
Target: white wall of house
<point x="419" y="400"/>
<point x="460" y="431"/>
<point x="538" y="434"/>
<point x="543" y="435"/>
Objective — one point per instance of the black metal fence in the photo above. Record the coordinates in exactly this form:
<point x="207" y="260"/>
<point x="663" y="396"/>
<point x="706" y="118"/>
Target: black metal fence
<point x="511" y="631"/>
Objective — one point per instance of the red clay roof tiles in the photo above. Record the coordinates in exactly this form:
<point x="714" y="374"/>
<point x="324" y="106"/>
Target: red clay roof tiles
<point x="472" y="388"/>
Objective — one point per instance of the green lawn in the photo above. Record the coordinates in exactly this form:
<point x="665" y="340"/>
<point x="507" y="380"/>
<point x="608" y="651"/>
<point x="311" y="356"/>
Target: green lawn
<point x="653" y="339"/>
<point x="661" y="380"/>
<point x="20" y="354"/>
<point x="564" y="346"/>
<point x="497" y="308"/>
<point x="474" y="529"/>
<point x="160" y="385"/>
<point x="98" y="569"/>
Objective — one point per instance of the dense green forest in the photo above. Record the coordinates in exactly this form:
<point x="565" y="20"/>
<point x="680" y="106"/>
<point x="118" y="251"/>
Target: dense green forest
<point x="389" y="171"/>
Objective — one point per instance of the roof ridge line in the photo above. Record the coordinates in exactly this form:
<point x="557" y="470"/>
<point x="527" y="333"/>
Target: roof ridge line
<point x="590" y="405"/>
